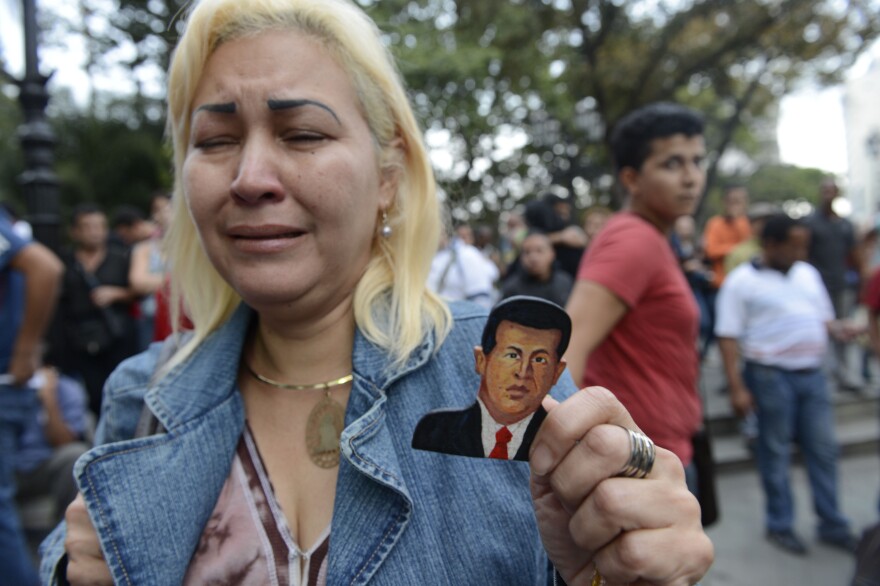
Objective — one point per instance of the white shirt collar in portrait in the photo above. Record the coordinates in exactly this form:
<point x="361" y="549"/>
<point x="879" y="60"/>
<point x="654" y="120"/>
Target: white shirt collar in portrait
<point x="489" y="427"/>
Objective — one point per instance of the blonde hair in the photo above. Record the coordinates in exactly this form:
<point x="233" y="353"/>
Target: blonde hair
<point x="392" y="305"/>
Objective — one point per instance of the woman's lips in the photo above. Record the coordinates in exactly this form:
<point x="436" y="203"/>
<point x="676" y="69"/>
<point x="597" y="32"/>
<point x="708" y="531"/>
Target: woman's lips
<point x="264" y="231"/>
<point x="264" y="238"/>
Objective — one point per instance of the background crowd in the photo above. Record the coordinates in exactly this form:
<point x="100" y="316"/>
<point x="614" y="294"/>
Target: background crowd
<point x="113" y="303"/>
<point x="790" y="304"/>
<point x="108" y="301"/>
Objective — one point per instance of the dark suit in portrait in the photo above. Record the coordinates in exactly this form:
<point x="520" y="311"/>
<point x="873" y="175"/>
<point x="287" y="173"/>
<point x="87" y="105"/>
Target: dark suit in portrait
<point x="459" y="432"/>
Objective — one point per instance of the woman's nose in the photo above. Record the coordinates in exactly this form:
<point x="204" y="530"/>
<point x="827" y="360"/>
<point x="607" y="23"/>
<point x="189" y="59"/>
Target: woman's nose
<point x="258" y="176"/>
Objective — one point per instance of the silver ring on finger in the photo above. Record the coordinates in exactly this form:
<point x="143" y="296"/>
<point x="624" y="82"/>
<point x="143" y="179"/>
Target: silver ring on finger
<point x="641" y="456"/>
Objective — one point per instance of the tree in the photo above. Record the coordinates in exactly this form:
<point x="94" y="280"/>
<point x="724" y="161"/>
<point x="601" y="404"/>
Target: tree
<point x="519" y="96"/>
<point x="107" y="162"/>
<point x="786" y="185"/>
<point x="555" y="75"/>
<point x="127" y="40"/>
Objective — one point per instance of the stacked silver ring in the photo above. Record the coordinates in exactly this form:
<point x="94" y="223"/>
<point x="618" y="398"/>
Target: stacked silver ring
<point x="641" y="457"/>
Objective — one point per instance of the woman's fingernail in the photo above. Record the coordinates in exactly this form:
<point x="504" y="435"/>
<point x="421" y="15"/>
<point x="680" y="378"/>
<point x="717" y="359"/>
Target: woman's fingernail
<point x="541" y="459"/>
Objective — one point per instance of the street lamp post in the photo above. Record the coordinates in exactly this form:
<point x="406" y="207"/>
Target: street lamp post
<point x="39" y="184"/>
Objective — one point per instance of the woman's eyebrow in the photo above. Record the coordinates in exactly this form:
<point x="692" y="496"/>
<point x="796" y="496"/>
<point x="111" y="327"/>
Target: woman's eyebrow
<point x="287" y="104"/>
<point x="224" y="108"/>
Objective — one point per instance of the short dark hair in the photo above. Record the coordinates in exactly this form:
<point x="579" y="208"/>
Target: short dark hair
<point x="127" y="215"/>
<point x="84" y="209"/>
<point x="531" y="312"/>
<point x="732" y="187"/>
<point x="632" y="135"/>
<point x="536" y="232"/>
<point x="778" y="227"/>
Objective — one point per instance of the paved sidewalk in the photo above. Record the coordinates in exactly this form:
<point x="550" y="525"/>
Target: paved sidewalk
<point x="744" y="558"/>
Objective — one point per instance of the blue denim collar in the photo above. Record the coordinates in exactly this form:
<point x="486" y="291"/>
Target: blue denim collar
<point x="199" y="406"/>
<point x="151" y="497"/>
<point x="190" y="389"/>
<point x="205" y="388"/>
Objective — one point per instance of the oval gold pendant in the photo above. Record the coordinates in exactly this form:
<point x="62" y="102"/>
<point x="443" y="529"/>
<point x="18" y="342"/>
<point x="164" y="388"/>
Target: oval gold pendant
<point x="323" y="429"/>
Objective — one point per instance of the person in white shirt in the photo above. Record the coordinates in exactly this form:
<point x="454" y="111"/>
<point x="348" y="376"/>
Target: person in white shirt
<point x="775" y="313"/>
<point x="460" y="272"/>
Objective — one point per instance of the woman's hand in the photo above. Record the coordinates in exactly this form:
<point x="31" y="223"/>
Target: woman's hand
<point x="634" y="531"/>
<point x="85" y="560"/>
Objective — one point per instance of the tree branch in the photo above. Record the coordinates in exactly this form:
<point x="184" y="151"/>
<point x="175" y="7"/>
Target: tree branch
<point x="727" y="130"/>
<point x="670" y="32"/>
<point x="608" y="12"/>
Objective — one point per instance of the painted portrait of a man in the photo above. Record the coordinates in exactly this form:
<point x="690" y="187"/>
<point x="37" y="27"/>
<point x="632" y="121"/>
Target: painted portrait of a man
<point x="519" y="360"/>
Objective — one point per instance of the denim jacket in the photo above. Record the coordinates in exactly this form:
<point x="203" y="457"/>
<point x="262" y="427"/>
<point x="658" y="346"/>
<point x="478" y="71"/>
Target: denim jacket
<point x="401" y="516"/>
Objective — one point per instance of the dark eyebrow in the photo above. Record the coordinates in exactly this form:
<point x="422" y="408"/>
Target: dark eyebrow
<point x="286" y="104"/>
<point x="540" y="351"/>
<point x="226" y="108"/>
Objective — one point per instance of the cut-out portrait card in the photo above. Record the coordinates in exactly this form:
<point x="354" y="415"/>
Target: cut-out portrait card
<point x="519" y="361"/>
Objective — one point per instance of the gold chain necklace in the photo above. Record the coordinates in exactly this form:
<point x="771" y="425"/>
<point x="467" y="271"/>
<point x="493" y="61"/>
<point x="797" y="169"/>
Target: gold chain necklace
<point x="314" y="387"/>
<point x="326" y="419"/>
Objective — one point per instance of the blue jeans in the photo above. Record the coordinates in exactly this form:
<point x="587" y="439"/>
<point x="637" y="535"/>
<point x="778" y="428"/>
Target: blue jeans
<point x="795" y="406"/>
<point x="17" y="406"/>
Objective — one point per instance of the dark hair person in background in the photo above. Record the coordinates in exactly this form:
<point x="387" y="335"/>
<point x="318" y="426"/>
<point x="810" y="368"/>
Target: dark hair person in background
<point x="538" y="274"/>
<point x="775" y="314"/>
<point x="96" y="328"/>
<point x="305" y="219"/>
<point x="634" y="316"/>
<point x="29" y="279"/>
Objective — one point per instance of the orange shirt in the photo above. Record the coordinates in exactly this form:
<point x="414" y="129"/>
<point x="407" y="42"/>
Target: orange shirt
<point x="721" y="235"/>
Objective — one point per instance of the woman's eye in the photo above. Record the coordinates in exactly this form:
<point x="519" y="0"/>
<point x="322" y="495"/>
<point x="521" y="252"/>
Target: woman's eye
<point x="307" y="137"/>
<point x="214" y="142"/>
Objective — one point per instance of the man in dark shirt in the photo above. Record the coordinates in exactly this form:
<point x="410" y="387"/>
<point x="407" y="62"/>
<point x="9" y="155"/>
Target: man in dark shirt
<point x="96" y="327"/>
<point x="538" y="275"/>
<point x="834" y="252"/>
<point x="554" y="216"/>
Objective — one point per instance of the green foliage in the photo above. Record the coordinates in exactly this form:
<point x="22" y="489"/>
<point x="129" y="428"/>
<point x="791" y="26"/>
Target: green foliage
<point x="788" y="186"/>
<point x="785" y="183"/>
<point x="109" y="163"/>
<point x="517" y="96"/>
<point x="557" y="74"/>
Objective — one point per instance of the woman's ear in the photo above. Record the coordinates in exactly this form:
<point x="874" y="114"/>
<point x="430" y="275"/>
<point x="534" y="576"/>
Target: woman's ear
<point x="392" y="165"/>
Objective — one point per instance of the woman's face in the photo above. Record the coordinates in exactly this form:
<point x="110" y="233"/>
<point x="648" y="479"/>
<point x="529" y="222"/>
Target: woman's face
<point x="281" y="173"/>
<point x="160" y="211"/>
